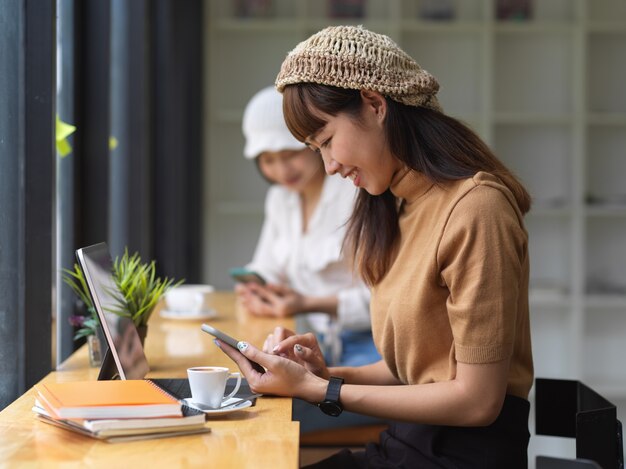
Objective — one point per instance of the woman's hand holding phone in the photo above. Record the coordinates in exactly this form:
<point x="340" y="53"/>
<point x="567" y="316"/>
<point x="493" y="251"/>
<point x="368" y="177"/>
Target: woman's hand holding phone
<point x="243" y="275"/>
<point x="222" y="336"/>
<point x="261" y="298"/>
<point x="284" y="377"/>
<point x="277" y="301"/>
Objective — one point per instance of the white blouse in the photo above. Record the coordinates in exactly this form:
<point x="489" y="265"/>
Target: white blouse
<point x="312" y="263"/>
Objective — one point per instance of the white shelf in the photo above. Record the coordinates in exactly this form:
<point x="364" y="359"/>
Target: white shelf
<point x="261" y="26"/>
<point x="535" y="118"/>
<point x="606" y="211"/>
<point x="546" y="211"/>
<point x="442" y="27"/>
<point x="533" y="27"/>
<point x="606" y="301"/>
<point x="607" y="119"/>
<point x="314" y="25"/>
<point x="545" y="301"/>
<point x="607" y="27"/>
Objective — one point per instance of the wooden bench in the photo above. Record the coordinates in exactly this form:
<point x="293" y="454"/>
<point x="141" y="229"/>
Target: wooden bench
<point x="357" y="436"/>
<point x="320" y="444"/>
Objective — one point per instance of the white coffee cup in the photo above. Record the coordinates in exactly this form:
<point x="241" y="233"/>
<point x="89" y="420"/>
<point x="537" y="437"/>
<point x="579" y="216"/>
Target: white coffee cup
<point x="208" y="383"/>
<point x="189" y="298"/>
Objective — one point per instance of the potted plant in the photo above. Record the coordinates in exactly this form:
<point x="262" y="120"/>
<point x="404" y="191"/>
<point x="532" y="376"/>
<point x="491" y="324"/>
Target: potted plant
<point x="140" y="287"/>
<point x="141" y="291"/>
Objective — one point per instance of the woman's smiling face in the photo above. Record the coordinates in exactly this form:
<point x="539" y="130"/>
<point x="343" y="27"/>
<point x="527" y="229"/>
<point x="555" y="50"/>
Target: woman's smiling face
<point x="357" y="148"/>
<point x="293" y="169"/>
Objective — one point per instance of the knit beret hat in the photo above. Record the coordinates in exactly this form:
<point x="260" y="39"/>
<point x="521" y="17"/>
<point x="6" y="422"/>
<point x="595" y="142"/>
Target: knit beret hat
<point x="354" y="58"/>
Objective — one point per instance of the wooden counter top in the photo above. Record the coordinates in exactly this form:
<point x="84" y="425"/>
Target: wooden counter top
<point x="262" y="436"/>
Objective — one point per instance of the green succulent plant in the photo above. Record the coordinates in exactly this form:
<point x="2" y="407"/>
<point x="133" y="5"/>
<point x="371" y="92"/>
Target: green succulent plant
<point x="140" y="287"/>
<point x="141" y="291"/>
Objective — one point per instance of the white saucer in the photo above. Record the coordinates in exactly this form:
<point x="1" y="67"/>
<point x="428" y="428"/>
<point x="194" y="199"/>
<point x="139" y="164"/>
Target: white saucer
<point x="225" y="409"/>
<point x="205" y="314"/>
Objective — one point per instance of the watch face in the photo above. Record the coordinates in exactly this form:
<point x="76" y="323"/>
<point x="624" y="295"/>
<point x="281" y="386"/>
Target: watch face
<point x="331" y="408"/>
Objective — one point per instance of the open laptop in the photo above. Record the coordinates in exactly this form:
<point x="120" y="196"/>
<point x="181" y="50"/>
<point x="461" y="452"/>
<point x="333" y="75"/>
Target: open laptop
<point x="125" y="357"/>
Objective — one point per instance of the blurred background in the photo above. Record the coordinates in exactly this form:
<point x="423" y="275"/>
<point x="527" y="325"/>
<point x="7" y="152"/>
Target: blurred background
<point x="156" y="91"/>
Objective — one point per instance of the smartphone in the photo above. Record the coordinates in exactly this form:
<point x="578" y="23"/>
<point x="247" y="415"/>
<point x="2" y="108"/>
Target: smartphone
<point x="230" y="341"/>
<point x="243" y="275"/>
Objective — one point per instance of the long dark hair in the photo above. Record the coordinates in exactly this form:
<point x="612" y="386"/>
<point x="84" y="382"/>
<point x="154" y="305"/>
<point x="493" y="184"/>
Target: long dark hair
<point x="428" y="141"/>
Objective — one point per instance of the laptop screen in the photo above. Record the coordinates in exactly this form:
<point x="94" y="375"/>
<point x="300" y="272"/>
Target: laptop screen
<point x="120" y="332"/>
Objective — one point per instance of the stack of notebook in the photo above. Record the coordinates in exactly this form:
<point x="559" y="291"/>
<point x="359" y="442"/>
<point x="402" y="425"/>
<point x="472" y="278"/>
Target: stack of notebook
<point x="116" y="410"/>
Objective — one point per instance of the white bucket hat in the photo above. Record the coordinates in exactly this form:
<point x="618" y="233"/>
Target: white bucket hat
<point x="264" y="125"/>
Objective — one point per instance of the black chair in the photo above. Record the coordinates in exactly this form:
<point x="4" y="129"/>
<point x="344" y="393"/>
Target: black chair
<point x="570" y="409"/>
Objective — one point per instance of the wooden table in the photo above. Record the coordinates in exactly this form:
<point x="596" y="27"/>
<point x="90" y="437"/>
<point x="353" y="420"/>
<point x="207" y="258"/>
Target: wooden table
<point x="262" y="436"/>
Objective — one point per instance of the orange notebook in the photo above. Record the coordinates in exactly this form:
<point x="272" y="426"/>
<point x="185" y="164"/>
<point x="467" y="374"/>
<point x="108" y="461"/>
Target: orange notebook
<point x="107" y="399"/>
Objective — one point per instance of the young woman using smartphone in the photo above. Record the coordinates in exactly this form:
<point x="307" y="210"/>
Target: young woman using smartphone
<point x="438" y="232"/>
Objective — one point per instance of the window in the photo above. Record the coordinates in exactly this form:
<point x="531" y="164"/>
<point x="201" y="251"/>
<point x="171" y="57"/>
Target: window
<point x="26" y="193"/>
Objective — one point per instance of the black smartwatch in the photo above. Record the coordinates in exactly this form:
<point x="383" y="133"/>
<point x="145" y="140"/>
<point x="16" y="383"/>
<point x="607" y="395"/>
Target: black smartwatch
<point x="331" y="405"/>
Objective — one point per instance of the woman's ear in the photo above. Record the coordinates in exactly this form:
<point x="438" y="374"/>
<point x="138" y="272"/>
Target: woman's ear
<point x="375" y="102"/>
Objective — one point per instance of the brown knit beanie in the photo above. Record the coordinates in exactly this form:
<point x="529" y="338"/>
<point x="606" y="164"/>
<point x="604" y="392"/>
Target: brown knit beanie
<point x="354" y="58"/>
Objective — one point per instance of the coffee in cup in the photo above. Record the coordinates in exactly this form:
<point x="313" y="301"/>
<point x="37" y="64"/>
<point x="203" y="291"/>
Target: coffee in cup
<point x="208" y="383"/>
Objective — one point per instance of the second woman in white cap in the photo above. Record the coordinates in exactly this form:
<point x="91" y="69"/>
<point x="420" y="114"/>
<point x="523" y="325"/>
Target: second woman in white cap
<point x="299" y="250"/>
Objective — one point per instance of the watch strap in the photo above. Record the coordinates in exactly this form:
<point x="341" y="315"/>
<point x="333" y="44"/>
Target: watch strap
<point x="334" y="389"/>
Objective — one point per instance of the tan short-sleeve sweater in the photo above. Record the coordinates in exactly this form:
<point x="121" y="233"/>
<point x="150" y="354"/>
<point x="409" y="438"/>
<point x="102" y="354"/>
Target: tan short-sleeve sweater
<point x="458" y="288"/>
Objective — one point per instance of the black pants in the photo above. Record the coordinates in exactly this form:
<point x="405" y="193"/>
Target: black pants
<point x="503" y="444"/>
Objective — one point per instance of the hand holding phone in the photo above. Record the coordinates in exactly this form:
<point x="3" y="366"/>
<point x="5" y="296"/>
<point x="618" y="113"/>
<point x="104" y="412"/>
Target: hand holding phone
<point x="230" y="341"/>
<point x="243" y="275"/>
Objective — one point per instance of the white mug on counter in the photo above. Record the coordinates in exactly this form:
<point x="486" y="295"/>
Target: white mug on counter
<point x="189" y="298"/>
<point x="208" y="383"/>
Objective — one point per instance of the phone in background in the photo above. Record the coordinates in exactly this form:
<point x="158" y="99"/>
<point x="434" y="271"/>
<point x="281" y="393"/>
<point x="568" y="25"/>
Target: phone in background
<point x="230" y="341"/>
<point x="243" y="275"/>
